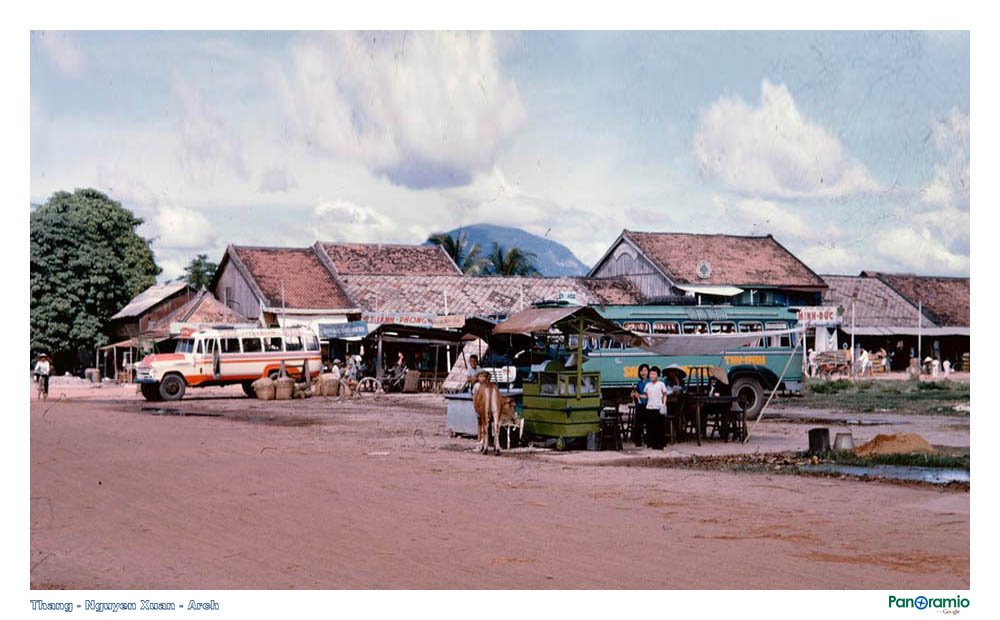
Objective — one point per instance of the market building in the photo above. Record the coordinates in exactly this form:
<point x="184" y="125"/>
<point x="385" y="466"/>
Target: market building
<point x="710" y="269"/>
<point x="909" y="316"/>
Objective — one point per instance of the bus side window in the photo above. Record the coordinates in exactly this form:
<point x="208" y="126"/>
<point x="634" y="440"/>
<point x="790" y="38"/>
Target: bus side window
<point x="293" y="343"/>
<point x="230" y="345"/>
<point x="273" y="344"/>
<point x="779" y="341"/>
<point x="723" y="327"/>
<point x="695" y="327"/>
<point x="252" y="345"/>
<point x="641" y="327"/>
<point x="749" y="327"/>
<point x="198" y="347"/>
<point x="312" y="343"/>
<point x="210" y="346"/>
<point x="666" y="327"/>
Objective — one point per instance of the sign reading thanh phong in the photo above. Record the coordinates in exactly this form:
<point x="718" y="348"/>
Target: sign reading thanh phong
<point x="811" y="316"/>
<point x="417" y="319"/>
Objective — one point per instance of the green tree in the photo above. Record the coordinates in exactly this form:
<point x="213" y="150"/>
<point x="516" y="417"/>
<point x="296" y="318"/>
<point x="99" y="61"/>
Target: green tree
<point x="510" y="262"/>
<point x="199" y="272"/>
<point x="466" y="255"/>
<point x="87" y="262"/>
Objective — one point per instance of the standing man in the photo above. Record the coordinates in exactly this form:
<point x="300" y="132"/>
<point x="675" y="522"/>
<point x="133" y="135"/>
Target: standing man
<point x="656" y="410"/>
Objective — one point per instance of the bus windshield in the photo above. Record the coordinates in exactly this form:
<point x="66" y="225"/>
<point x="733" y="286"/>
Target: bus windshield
<point x="185" y="345"/>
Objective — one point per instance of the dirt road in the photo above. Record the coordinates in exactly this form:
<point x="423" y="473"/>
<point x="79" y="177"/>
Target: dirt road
<point x="245" y="494"/>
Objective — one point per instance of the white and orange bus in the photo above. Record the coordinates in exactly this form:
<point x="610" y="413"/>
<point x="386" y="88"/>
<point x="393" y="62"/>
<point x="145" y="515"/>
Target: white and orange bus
<point x="225" y="357"/>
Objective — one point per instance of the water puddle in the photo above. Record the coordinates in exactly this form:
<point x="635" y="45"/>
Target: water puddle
<point x="178" y="412"/>
<point x="935" y="475"/>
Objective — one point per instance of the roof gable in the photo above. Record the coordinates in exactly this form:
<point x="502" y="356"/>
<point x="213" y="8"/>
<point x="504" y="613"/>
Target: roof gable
<point x="294" y="278"/>
<point x="150" y="298"/>
<point x="875" y="303"/>
<point x="202" y="308"/>
<point x="733" y="260"/>
<point x="389" y="259"/>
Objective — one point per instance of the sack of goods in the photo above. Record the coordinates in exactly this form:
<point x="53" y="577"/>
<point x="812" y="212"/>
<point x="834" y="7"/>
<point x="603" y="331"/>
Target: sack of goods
<point x="284" y="387"/>
<point x="327" y="385"/>
<point x="302" y="390"/>
<point x="264" y="388"/>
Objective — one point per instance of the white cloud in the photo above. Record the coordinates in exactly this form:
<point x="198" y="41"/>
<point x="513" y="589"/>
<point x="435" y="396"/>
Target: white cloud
<point x="340" y="220"/>
<point x="935" y="236"/>
<point x="760" y="217"/>
<point x="920" y="250"/>
<point x="772" y="151"/>
<point x="209" y="146"/>
<point x="277" y="179"/>
<point x="426" y="109"/>
<point x="62" y="51"/>
<point x="182" y="228"/>
<point x="834" y="258"/>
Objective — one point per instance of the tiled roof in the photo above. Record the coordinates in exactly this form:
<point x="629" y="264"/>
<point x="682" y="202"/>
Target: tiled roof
<point x="202" y="308"/>
<point x="945" y="300"/>
<point x="482" y="296"/>
<point x="389" y="259"/>
<point x="307" y="283"/>
<point x="734" y="260"/>
<point x="149" y="298"/>
<point x="875" y="303"/>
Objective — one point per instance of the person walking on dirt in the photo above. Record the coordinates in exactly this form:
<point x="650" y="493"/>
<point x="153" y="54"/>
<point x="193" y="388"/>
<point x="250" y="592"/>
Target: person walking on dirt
<point x="43" y="367"/>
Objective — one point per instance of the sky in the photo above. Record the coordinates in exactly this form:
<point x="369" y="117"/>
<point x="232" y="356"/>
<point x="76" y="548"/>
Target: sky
<point x="851" y="148"/>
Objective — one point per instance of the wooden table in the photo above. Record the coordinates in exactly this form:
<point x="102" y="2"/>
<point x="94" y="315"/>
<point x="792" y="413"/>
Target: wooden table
<point x="698" y="401"/>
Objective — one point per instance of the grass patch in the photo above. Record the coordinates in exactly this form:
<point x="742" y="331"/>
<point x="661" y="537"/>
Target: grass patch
<point x="926" y="397"/>
<point x="947" y="461"/>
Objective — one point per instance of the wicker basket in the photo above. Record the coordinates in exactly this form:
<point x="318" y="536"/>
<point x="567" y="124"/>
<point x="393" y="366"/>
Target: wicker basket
<point x="264" y="389"/>
<point x="284" y="387"/>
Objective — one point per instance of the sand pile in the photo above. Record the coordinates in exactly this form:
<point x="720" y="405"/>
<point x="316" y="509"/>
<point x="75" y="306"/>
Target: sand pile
<point x="903" y="443"/>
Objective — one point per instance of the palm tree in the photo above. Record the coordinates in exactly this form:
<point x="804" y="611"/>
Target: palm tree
<point x="510" y="262"/>
<point x="466" y="256"/>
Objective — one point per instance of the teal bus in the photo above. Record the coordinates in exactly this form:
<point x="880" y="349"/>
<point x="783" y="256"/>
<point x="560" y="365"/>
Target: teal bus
<point x="753" y="370"/>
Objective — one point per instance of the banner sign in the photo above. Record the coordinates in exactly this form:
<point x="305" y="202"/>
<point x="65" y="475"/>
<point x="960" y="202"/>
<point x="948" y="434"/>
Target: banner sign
<point x="351" y="329"/>
<point x="449" y="321"/>
<point x="416" y="319"/>
<point x="819" y="316"/>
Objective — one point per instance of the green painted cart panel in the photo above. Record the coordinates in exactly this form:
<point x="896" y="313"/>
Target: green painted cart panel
<point x="548" y="429"/>
<point x="560" y="403"/>
<point x="591" y="416"/>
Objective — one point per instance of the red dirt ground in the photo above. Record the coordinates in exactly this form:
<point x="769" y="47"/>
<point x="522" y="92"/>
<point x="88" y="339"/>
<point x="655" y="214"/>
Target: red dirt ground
<point x="243" y="494"/>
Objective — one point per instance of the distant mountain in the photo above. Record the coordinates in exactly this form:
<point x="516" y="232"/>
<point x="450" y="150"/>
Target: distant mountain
<point x="552" y="257"/>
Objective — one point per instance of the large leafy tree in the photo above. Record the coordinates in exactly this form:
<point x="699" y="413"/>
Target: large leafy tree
<point x="199" y="271"/>
<point x="510" y="262"/>
<point x="466" y="255"/>
<point x="87" y="262"/>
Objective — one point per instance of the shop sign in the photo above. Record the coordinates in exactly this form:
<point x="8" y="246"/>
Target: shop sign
<point x="416" y="319"/>
<point x="351" y="329"/>
<point x="819" y="316"/>
<point x="449" y="321"/>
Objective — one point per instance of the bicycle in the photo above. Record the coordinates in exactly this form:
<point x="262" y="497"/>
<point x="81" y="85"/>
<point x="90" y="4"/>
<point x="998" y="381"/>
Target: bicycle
<point x="41" y="387"/>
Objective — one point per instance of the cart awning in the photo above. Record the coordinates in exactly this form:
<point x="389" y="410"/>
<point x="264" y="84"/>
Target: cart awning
<point x="565" y="318"/>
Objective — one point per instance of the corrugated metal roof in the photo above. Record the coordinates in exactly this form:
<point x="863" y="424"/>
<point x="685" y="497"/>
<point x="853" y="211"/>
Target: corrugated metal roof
<point x="149" y="298"/>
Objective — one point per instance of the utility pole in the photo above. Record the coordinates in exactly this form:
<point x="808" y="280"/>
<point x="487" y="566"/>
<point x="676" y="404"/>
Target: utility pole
<point x="853" y="359"/>
<point x="920" y="332"/>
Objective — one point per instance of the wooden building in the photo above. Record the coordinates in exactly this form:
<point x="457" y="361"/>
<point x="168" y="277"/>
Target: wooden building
<point x="147" y="307"/>
<point x="711" y="269"/>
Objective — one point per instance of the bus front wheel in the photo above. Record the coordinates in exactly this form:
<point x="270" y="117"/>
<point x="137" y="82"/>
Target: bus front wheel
<point x="750" y="393"/>
<point x="172" y="387"/>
